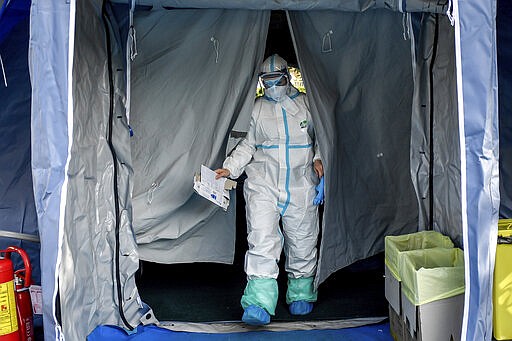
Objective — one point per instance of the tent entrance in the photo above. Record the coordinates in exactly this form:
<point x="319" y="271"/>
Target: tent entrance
<point x="70" y="98"/>
<point x="351" y="108"/>
<point x="206" y="292"/>
<point x="210" y="292"/>
<point x="192" y="85"/>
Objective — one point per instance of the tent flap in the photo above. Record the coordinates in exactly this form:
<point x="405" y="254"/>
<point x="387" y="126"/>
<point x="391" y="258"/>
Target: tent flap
<point x="360" y="90"/>
<point x="99" y="245"/>
<point x="435" y="128"/>
<point x="188" y="93"/>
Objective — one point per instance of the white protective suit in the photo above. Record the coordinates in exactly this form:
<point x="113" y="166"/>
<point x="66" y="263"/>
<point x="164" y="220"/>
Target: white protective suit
<point x="277" y="155"/>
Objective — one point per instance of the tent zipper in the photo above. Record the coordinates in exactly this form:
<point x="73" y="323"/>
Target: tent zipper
<point x="431" y="132"/>
<point x="104" y="16"/>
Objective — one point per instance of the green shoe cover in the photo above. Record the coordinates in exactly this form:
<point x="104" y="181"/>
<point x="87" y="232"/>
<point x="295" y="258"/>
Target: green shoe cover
<point x="301" y="289"/>
<point x="262" y="292"/>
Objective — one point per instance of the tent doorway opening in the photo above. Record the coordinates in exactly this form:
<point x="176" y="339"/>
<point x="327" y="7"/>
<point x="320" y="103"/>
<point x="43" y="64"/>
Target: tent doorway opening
<point x="211" y="292"/>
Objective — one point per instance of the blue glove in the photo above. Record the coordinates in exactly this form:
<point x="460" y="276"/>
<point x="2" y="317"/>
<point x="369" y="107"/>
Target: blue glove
<point x="319" y="199"/>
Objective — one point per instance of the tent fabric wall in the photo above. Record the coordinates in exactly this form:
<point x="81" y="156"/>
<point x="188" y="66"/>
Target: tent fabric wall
<point x="475" y="39"/>
<point x="435" y="107"/>
<point x="360" y="90"/>
<point x="477" y="89"/>
<point x="215" y="54"/>
<point x="504" y="57"/>
<point x="98" y="242"/>
<point x="17" y="208"/>
<point x="48" y="64"/>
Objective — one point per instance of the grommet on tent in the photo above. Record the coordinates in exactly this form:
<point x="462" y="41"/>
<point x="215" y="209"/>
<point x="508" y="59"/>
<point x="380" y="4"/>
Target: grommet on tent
<point x="148" y="317"/>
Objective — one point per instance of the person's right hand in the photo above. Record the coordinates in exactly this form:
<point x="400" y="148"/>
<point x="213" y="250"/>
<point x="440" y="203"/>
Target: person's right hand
<point x="222" y="173"/>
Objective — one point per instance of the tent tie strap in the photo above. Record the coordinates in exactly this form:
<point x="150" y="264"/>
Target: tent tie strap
<point x="215" y="43"/>
<point x="449" y="12"/>
<point x="131" y="53"/>
<point x="151" y="190"/>
<point x="132" y="36"/>
<point x="405" y="26"/>
<point x="326" y="42"/>
<point x="133" y="41"/>
<point x="3" y="70"/>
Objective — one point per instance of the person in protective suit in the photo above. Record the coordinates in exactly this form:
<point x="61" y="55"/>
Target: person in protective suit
<point x="283" y="165"/>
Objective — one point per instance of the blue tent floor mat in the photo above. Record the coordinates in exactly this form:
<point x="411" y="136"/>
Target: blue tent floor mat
<point x="375" y="332"/>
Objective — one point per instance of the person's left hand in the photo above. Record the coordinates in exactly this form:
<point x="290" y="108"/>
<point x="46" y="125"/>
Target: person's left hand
<point x="319" y="168"/>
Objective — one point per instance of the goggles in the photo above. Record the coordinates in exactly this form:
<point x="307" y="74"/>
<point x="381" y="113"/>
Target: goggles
<point x="274" y="78"/>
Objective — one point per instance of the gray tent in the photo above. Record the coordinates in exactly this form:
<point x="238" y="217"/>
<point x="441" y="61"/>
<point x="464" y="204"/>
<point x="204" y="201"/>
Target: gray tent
<point x="404" y="105"/>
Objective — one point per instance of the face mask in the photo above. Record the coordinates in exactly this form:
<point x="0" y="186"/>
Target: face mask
<point x="277" y="92"/>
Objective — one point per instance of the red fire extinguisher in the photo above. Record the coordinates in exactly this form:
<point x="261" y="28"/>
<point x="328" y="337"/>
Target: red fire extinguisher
<point x="16" y="320"/>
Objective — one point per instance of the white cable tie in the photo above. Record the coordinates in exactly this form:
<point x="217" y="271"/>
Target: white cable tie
<point x="3" y="70"/>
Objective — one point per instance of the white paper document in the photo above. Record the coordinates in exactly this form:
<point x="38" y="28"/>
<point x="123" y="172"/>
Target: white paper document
<point x="215" y="190"/>
<point x="208" y="179"/>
